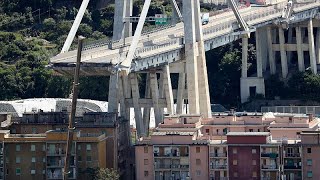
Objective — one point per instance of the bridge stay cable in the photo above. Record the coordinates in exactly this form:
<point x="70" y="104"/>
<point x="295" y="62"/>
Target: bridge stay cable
<point x="126" y="63"/>
<point x="75" y="26"/>
<point x="176" y="9"/>
<point x="244" y="26"/>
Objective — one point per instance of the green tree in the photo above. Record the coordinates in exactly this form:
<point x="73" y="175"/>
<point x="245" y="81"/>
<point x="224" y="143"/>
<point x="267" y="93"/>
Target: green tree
<point x="107" y="174"/>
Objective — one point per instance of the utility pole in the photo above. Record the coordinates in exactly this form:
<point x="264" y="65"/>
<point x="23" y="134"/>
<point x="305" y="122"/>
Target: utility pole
<point x="71" y="127"/>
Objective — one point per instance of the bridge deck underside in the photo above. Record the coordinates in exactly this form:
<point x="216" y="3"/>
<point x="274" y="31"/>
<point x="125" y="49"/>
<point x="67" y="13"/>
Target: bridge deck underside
<point x="88" y="69"/>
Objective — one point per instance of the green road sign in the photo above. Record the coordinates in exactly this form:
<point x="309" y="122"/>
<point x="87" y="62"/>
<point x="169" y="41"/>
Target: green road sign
<point x="161" y="19"/>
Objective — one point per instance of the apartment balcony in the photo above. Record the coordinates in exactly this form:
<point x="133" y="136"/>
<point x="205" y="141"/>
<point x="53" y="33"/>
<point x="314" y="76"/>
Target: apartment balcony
<point x="170" y="155"/>
<point x="59" y="164"/>
<point x="219" y="166"/>
<point x="57" y="174"/>
<point x="292" y="155"/>
<point x="169" y="177"/>
<point x="292" y="167"/>
<point x="218" y="155"/>
<point x="269" y="155"/>
<point x="268" y="178"/>
<point x="171" y="166"/>
<point x="58" y="153"/>
<point x="222" y="178"/>
<point x="162" y="166"/>
<point x="219" y="178"/>
<point x="269" y="167"/>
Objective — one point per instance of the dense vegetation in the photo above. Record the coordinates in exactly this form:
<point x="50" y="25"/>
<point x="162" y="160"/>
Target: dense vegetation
<point x="31" y="31"/>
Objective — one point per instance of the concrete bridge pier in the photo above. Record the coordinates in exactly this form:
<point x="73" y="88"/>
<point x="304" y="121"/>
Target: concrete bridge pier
<point x="146" y="110"/>
<point x="191" y="53"/>
<point x="271" y="53"/>
<point x="318" y="45"/>
<point x="299" y="41"/>
<point x="181" y="91"/>
<point x="312" y="52"/>
<point x="204" y="94"/>
<point x="196" y="68"/>
<point x="140" y="126"/>
<point x="121" y="29"/>
<point x="251" y="86"/>
<point x="283" y="54"/>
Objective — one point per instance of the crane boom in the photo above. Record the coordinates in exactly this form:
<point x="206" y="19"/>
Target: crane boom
<point x="71" y="127"/>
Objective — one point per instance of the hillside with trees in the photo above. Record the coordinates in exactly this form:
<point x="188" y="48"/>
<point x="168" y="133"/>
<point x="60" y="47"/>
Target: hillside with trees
<point x="32" y="31"/>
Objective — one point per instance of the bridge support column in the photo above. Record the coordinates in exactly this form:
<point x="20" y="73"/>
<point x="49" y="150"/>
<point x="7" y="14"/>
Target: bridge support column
<point x="181" y="89"/>
<point x="146" y="110"/>
<point x="113" y="100"/>
<point x="318" y="45"/>
<point x="155" y="97"/>
<point x="312" y="53"/>
<point x="161" y="94"/>
<point x="263" y="47"/>
<point x="272" y="61"/>
<point x="251" y="86"/>
<point x="123" y="8"/>
<point x="259" y="51"/>
<point x="191" y="50"/>
<point x="299" y="49"/>
<point x="204" y="94"/>
<point x="284" y="61"/>
<point x="289" y="53"/>
<point x="244" y="68"/>
<point x="167" y="86"/>
<point x="127" y="94"/>
<point x="137" y="109"/>
<point x="123" y="112"/>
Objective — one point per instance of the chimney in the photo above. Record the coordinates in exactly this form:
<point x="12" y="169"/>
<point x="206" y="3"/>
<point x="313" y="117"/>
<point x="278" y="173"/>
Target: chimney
<point x="310" y="117"/>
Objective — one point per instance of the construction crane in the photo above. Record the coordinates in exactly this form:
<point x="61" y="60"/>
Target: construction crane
<point x="71" y="127"/>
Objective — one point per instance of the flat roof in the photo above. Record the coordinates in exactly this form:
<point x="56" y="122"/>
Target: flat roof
<point x="4" y="131"/>
<point x="173" y="133"/>
<point x="248" y="134"/>
<point x="310" y="132"/>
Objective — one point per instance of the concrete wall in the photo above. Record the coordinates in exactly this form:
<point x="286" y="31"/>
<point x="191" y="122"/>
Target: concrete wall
<point x="244" y="158"/>
<point x="314" y="156"/>
<point x="246" y="139"/>
<point x="203" y="167"/>
<point x="141" y="167"/>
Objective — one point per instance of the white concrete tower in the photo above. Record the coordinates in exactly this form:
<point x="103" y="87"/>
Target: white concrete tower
<point x="121" y="29"/>
<point x="191" y="53"/>
<point x="204" y="94"/>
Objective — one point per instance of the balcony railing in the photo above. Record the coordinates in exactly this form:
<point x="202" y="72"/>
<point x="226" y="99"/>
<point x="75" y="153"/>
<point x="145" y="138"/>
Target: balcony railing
<point x="273" y="167"/>
<point x="170" y="155"/>
<point x="222" y="166"/>
<point x="270" y="155"/>
<point x="171" y="166"/>
<point x="267" y="178"/>
<point x="219" y="178"/>
<point x="293" y="155"/>
<point x="218" y="154"/>
<point x="59" y="164"/>
<point x="291" y="167"/>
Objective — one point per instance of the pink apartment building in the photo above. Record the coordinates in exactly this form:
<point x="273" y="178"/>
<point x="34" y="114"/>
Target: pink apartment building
<point x="189" y="147"/>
